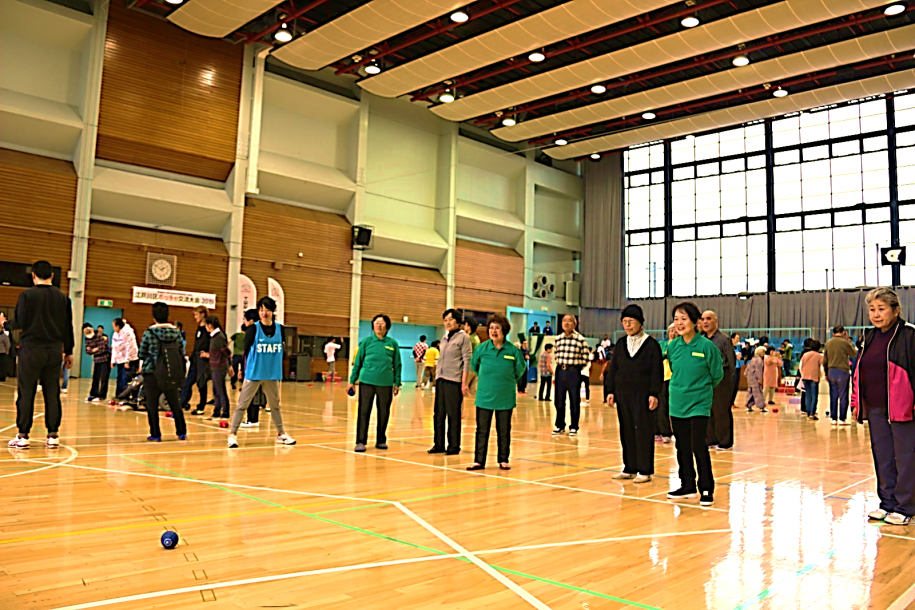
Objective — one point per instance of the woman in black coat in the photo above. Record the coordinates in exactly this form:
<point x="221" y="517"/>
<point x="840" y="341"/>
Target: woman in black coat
<point x="634" y="381"/>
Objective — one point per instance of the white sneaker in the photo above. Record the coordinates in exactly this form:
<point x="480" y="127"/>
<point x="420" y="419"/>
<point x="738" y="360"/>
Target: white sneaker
<point x="96" y="400"/>
<point x="284" y="439"/>
<point x="573" y="431"/>
<point x="233" y="442"/>
<point x="897" y="519"/>
<point x="844" y="422"/>
<point x="53" y="441"/>
<point x="877" y="515"/>
<point x="250" y="425"/>
<point x="642" y="478"/>
<point x="18" y="442"/>
<point x="622" y="475"/>
<point x="834" y="422"/>
<point x="63" y="390"/>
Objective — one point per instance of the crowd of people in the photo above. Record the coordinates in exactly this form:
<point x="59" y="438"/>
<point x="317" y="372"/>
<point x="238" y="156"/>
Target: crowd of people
<point x="678" y="390"/>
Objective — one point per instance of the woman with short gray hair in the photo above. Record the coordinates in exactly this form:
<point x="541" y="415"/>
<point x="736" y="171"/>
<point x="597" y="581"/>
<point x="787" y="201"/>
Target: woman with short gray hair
<point x="883" y="392"/>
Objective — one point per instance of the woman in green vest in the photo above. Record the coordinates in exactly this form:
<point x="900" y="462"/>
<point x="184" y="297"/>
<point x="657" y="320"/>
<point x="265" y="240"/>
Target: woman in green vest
<point x="499" y="365"/>
<point x="695" y="364"/>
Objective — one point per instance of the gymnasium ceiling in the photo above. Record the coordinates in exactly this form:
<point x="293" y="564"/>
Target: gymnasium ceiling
<point x="640" y="52"/>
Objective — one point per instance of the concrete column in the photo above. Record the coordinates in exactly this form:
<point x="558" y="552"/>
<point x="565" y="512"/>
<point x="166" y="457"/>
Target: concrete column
<point x="355" y="214"/>
<point x="84" y="164"/>
<point x="446" y="202"/>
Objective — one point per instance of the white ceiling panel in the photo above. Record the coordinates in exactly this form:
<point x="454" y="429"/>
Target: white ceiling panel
<point x="547" y="27"/>
<point x="676" y="47"/>
<point x="821" y="58"/>
<point x="219" y="18"/>
<point x="727" y="117"/>
<point x="360" y="29"/>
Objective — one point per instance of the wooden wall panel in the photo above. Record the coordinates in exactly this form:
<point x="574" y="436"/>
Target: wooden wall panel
<point x="169" y="97"/>
<point x="117" y="262"/>
<point x="37" y="205"/>
<point x="487" y="278"/>
<point x="401" y="290"/>
<point x="317" y="284"/>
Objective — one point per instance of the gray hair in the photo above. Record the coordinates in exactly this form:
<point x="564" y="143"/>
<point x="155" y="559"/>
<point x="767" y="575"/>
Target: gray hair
<point x="886" y="295"/>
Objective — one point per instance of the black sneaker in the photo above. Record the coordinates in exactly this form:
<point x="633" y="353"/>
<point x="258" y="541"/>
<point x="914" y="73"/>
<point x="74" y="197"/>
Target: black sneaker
<point x="558" y="430"/>
<point x="813" y="417"/>
<point x="706" y="499"/>
<point x="682" y="494"/>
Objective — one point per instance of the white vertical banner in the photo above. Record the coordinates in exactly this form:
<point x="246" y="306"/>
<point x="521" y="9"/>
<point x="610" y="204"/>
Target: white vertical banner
<point x="276" y="293"/>
<point x="247" y="299"/>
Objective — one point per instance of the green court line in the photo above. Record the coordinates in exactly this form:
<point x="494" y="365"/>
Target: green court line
<point x="417" y="546"/>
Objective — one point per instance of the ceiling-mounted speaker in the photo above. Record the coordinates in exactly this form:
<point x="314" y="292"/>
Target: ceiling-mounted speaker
<point x="363" y="237"/>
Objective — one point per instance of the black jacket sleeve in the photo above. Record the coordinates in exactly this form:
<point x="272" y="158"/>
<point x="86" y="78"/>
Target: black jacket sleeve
<point x="250" y="336"/>
<point x="655" y="361"/>
<point x="69" y="339"/>
<point x="610" y="375"/>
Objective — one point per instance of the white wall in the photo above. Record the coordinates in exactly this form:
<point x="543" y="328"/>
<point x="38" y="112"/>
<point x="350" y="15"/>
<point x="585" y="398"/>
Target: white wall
<point x="557" y="212"/>
<point x="38" y="69"/>
<point x="482" y="187"/>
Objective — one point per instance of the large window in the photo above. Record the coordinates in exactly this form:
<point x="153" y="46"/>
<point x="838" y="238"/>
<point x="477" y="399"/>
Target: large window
<point x="828" y="207"/>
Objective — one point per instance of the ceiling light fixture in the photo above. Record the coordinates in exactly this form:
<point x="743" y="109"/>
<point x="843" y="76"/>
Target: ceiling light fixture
<point x="780" y="92"/>
<point x="459" y="16"/>
<point x="536" y="56"/>
<point x="690" y="22"/>
<point x="373" y="68"/>
<point x="598" y="89"/>
<point x="595" y="156"/>
<point x="446" y="97"/>
<point x="648" y="116"/>
<point x="283" y="34"/>
<point x="740" y="61"/>
<point x="509" y="121"/>
<point x="561" y="142"/>
<point x="690" y="138"/>
<point x="174" y="1"/>
<point x="894" y="9"/>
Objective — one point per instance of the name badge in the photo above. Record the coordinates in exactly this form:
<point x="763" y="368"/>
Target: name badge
<point x="698" y="354"/>
<point x="389" y="347"/>
<point x="508" y="357"/>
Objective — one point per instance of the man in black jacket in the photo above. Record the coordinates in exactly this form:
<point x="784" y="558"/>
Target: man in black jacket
<point x="45" y="316"/>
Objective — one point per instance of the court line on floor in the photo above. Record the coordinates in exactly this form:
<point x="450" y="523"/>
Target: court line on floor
<point x="550" y="545"/>
<point x="836" y="493"/>
<point x="904" y="601"/>
<point x="479" y="473"/>
<point x="73" y="455"/>
<point x="34" y="417"/>
<point x="782" y="583"/>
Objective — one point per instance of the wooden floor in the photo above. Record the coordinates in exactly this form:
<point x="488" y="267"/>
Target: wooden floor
<point x="318" y="526"/>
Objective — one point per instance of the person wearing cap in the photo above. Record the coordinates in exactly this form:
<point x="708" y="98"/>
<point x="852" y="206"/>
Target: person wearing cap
<point x="634" y="382"/>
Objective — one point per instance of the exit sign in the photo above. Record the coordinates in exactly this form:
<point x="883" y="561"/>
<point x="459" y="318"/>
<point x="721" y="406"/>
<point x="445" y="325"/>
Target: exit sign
<point x="105" y="303"/>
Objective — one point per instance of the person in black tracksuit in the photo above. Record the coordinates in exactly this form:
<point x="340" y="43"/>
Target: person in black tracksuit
<point x="634" y="381"/>
<point x="199" y="371"/>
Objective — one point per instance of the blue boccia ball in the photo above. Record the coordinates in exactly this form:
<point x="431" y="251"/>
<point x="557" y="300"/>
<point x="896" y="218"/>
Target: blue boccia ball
<point x="351" y="391"/>
<point x="169" y="540"/>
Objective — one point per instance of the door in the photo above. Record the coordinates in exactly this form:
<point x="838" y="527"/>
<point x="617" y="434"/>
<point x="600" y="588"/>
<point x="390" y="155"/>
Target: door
<point x="96" y="316"/>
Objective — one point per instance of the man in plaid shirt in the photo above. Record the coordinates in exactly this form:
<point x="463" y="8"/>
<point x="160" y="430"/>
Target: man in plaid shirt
<point x="419" y="355"/>
<point x="97" y="347"/>
<point x="570" y="355"/>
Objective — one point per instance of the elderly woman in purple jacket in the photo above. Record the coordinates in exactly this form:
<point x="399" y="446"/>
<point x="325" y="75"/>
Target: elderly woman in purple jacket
<point x="883" y="392"/>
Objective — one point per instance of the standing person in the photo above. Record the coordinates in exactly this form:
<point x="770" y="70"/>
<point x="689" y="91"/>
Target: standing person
<point x="547" y="329"/>
<point x="570" y="353"/>
<point x="499" y="365"/>
<point x="123" y="352"/>
<point x="45" y="315"/>
<point x="5" y="345"/>
<point x="97" y="347"/>
<point x="721" y="423"/>
<point x="663" y="430"/>
<point x="377" y="369"/>
<point x="755" y="371"/>
<point x="330" y="353"/>
<point x="773" y="363"/>
<point x="526" y="356"/>
<point x="586" y="378"/>
<point x="238" y="356"/>
<point x="264" y="341"/>
<point x="634" y="381"/>
<point x="811" y="362"/>
<point x="836" y="360"/>
<point x="451" y="386"/>
<point x="199" y="369"/>
<point x="419" y="359"/>
<point x="534" y="330"/>
<point x="697" y="370"/>
<point x="470" y="327"/>
<point x="545" y="369"/>
<point x="882" y="395"/>
<point x="431" y="360"/>
<point x="252" y="418"/>
<point x="787" y="354"/>
<point x="157" y="340"/>
<point x="738" y="365"/>
<point x="220" y="362"/>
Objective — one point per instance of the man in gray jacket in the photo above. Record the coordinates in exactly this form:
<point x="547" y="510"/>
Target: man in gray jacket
<point x="451" y="384"/>
<point x="721" y="423"/>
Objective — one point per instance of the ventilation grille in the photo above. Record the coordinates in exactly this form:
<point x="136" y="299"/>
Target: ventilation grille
<point x="161" y="269"/>
<point x="544" y="287"/>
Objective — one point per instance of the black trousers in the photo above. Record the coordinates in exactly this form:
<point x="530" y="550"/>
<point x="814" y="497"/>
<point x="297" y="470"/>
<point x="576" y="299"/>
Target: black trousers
<point x="151" y="385"/>
<point x="39" y="363"/>
<point x="721" y="424"/>
<point x="568" y="381"/>
<point x="736" y="388"/>
<point x="238" y="366"/>
<point x="100" y="374"/>
<point x="197" y="374"/>
<point x="522" y="383"/>
<point x="586" y="382"/>
<point x="367" y="395"/>
<point x="4" y="366"/>
<point x="503" y="434"/>
<point x="221" y="406"/>
<point x="690" y="434"/>
<point x="637" y="424"/>
<point x="662" y="413"/>
<point x="448" y="401"/>
<point x="546" y="388"/>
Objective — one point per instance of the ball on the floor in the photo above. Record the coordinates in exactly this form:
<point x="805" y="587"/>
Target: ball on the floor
<point x="169" y="414"/>
<point x="775" y="409"/>
<point x="169" y="540"/>
<point x="223" y="424"/>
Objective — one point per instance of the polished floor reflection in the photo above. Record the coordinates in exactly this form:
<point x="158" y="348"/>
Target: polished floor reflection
<point x="319" y="526"/>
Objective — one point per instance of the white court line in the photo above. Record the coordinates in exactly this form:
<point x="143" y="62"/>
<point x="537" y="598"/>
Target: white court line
<point x="504" y="478"/>
<point x="574" y="474"/>
<point x="852" y="485"/>
<point x="550" y="545"/>
<point x="73" y="454"/>
<point x="536" y="603"/>
<point x="34" y="417"/>
<point x="250" y="581"/>
<point x="903" y="601"/>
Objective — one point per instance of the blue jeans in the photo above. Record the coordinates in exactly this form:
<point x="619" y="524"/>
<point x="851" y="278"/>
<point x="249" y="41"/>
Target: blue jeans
<point x="838" y="393"/>
<point x="811" y="394"/>
<point x="66" y="372"/>
<point x="123" y="379"/>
